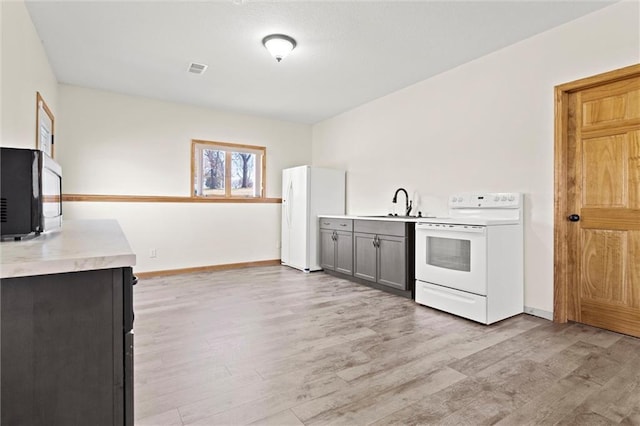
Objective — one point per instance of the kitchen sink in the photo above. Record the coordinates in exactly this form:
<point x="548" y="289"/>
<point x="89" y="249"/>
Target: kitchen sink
<point x="387" y="216"/>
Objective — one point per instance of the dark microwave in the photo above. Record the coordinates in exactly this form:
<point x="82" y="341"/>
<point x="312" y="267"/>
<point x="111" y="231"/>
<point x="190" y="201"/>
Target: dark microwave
<point x="30" y="193"/>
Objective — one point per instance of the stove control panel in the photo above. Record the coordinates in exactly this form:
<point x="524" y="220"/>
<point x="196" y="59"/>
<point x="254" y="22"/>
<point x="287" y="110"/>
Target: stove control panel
<point x="490" y="200"/>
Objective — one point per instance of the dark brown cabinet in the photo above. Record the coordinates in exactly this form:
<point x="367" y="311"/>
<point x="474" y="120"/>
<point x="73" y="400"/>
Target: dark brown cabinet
<point x="67" y="358"/>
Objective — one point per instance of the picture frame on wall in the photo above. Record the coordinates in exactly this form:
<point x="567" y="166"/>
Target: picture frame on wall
<point x="44" y="126"/>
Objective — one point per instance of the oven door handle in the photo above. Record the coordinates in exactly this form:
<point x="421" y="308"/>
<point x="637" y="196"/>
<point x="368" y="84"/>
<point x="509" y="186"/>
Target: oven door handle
<point x="457" y="229"/>
<point x="449" y="295"/>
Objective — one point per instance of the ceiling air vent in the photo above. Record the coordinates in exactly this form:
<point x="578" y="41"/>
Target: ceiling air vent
<point x="196" y="68"/>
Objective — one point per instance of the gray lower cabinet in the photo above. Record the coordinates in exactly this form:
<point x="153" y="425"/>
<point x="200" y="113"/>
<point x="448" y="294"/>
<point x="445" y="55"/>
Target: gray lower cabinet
<point x="344" y="252"/>
<point x="327" y="249"/>
<point x="392" y="261"/>
<point x="381" y="259"/>
<point x="373" y="252"/>
<point x="365" y="256"/>
<point x="336" y="245"/>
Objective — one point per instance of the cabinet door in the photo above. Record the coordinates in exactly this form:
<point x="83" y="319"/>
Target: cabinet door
<point x="62" y="349"/>
<point x="344" y="252"/>
<point x="392" y="261"/>
<point x="327" y="250"/>
<point x="364" y="256"/>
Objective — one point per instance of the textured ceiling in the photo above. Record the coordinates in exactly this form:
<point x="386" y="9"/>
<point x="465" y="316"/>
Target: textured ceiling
<point x="348" y="53"/>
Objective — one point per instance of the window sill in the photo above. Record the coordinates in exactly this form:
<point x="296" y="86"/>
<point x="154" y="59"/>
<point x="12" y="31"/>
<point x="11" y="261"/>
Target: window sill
<point x="164" y="199"/>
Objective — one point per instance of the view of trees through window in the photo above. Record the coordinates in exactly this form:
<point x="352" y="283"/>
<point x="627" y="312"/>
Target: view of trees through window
<point x="242" y="173"/>
<point x="225" y="171"/>
<point x="213" y="172"/>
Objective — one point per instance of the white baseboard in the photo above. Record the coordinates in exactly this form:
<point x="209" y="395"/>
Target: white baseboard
<point x="538" y="313"/>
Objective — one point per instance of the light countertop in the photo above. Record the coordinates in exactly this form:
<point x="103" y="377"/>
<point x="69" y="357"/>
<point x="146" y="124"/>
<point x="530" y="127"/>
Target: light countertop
<point x="384" y="218"/>
<point x="80" y="245"/>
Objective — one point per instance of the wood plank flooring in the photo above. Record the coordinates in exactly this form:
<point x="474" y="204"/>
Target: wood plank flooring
<point x="271" y="345"/>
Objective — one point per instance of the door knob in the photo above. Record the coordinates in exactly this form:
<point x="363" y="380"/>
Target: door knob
<point x="573" y="217"/>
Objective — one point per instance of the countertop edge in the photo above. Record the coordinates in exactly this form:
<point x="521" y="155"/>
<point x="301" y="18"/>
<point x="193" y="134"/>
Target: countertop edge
<point x="385" y="219"/>
<point x="64" y="266"/>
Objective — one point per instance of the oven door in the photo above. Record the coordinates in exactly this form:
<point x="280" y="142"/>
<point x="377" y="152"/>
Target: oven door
<point x="453" y="256"/>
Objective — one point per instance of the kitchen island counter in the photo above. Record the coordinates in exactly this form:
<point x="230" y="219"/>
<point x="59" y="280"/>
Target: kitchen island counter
<point x="66" y="322"/>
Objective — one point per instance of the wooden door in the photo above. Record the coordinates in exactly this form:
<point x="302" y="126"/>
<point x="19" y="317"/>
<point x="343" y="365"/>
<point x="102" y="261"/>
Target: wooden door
<point x="600" y="213"/>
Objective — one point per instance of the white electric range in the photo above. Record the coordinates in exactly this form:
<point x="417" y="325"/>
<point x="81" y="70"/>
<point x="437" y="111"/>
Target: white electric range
<point x="471" y="263"/>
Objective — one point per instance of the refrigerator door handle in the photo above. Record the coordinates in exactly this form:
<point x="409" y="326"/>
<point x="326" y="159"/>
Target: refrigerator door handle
<point x="288" y="206"/>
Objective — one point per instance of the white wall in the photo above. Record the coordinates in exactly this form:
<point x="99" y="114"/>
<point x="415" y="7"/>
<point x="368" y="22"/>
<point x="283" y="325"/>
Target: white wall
<point x="190" y="235"/>
<point x="484" y="126"/>
<point x="24" y="70"/>
<point x="116" y="144"/>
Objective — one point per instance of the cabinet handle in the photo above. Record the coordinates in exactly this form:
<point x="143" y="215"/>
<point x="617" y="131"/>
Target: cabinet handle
<point x="343" y="224"/>
<point x="326" y="223"/>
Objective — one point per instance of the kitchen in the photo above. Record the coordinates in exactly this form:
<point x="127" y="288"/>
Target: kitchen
<point x="102" y="146"/>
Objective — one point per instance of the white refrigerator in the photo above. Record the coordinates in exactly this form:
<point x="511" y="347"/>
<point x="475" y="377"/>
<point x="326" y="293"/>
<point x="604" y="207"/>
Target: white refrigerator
<point x="306" y="193"/>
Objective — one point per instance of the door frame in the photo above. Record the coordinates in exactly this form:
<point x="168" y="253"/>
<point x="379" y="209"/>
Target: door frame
<point x="561" y="256"/>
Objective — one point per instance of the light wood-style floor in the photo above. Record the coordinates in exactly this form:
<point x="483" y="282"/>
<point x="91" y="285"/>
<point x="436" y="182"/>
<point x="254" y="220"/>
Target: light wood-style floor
<point x="272" y="345"/>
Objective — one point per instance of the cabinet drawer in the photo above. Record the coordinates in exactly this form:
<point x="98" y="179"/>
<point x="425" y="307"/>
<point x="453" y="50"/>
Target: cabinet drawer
<point x="337" y="224"/>
<point x="380" y="227"/>
<point x="461" y="303"/>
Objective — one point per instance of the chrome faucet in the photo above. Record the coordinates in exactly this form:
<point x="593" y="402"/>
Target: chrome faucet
<point x="408" y="204"/>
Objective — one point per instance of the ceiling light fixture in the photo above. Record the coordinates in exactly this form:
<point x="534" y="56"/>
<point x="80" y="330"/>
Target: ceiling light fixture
<point x="279" y="45"/>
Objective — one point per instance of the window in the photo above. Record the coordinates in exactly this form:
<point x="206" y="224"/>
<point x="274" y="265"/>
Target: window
<point x="226" y="170"/>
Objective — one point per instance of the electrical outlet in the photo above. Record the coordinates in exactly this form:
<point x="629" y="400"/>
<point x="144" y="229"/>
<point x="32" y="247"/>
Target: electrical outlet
<point x="153" y="253"/>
